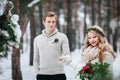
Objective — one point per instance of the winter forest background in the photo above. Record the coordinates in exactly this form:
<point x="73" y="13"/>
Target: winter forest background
<point x="74" y="17"/>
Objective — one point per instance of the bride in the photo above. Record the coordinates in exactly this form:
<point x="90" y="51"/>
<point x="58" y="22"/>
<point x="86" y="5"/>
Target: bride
<point x="95" y="49"/>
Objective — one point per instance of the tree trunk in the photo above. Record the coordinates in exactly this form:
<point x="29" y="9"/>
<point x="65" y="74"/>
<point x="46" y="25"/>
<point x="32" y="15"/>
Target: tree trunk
<point x="114" y="15"/>
<point x="40" y="15"/>
<point x="108" y="20"/>
<point x="70" y="31"/>
<point x="85" y="25"/>
<point x="77" y="25"/>
<point x="118" y="8"/>
<point x="57" y="10"/>
<point x="99" y="12"/>
<point x="32" y="30"/>
<point x="16" y="6"/>
<point x="93" y="12"/>
<point x="16" y="72"/>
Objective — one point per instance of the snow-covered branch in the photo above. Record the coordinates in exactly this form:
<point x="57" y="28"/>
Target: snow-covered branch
<point x="33" y="3"/>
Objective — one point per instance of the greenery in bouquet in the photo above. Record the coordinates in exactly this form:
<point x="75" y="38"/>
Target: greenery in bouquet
<point x="95" y="71"/>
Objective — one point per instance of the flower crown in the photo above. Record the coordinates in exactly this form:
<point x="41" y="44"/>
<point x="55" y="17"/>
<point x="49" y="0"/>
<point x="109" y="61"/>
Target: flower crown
<point x="96" y="29"/>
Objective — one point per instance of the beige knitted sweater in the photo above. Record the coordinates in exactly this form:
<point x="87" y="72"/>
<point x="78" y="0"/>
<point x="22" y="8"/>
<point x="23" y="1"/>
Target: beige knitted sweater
<point x="47" y="50"/>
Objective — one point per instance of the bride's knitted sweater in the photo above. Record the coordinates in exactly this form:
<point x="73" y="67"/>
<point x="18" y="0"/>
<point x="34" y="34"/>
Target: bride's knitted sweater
<point x="92" y="54"/>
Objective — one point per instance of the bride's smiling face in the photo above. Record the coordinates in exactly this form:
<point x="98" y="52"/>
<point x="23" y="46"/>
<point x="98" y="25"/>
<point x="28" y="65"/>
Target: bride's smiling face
<point x="93" y="38"/>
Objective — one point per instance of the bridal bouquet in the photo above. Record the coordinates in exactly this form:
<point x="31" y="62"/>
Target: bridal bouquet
<point x="94" y="71"/>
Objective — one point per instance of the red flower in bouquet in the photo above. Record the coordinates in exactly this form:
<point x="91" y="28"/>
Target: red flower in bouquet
<point x="86" y="71"/>
<point x="86" y="67"/>
<point x="94" y="71"/>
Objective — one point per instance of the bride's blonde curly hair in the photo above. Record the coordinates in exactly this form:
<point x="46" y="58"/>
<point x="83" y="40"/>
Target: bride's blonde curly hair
<point x="103" y="44"/>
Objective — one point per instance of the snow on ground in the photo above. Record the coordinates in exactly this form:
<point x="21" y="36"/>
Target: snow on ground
<point x="5" y="68"/>
<point x="27" y="70"/>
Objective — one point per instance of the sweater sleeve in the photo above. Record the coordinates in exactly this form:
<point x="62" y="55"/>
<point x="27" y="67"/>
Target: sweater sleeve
<point x="36" y="57"/>
<point x="77" y="67"/>
<point x="108" y="58"/>
<point x="65" y="46"/>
